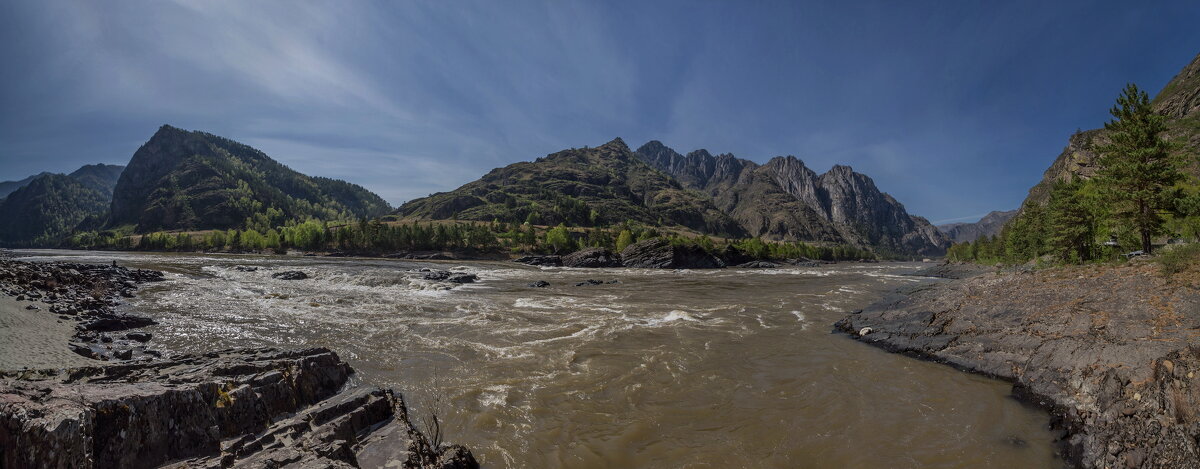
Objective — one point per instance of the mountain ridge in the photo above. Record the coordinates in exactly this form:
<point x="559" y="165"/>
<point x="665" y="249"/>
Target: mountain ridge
<point x="183" y="179"/>
<point x="988" y="225"/>
<point x="790" y="202"/>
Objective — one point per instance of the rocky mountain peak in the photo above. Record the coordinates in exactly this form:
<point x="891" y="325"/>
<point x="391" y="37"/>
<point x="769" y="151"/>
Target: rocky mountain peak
<point x="616" y="144"/>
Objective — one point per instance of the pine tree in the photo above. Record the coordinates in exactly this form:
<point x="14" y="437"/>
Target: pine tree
<point x="1071" y="223"/>
<point x="1137" y="169"/>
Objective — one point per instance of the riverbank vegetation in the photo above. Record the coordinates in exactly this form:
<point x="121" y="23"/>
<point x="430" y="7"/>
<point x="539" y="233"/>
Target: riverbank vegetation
<point x="378" y="238"/>
<point x="1140" y="194"/>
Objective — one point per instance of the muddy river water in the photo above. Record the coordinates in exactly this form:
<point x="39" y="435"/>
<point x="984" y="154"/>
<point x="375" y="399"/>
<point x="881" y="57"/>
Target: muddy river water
<point x="661" y="368"/>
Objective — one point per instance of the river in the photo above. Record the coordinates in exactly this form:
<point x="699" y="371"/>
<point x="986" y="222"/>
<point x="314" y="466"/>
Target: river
<point x="698" y="369"/>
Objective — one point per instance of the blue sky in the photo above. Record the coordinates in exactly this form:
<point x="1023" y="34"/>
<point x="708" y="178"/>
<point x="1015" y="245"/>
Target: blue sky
<point x="953" y="107"/>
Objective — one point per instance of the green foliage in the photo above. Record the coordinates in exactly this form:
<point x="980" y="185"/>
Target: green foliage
<point x="1179" y="259"/>
<point x="1073" y="223"/>
<point x="222" y="184"/>
<point x="47" y="210"/>
<point x="578" y="188"/>
<point x="559" y="240"/>
<point x="1138" y="169"/>
<point x="624" y="240"/>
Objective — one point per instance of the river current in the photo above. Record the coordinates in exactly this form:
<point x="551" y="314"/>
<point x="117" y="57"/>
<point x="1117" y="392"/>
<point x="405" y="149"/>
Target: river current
<point x="662" y="368"/>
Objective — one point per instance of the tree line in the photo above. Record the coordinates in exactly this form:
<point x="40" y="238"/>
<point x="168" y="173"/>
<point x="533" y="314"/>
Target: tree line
<point x="1139" y="193"/>
<point x="375" y="237"/>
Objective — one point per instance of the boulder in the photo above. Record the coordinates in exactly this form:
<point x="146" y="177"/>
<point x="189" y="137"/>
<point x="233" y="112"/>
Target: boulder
<point x="659" y="253"/>
<point x="591" y="258"/>
<point x="589" y="282"/>
<point x="539" y="284"/>
<point x="290" y="275"/>
<point x="448" y="276"/>
<point x="542" y="261"/>
<point x="758" y="265"/>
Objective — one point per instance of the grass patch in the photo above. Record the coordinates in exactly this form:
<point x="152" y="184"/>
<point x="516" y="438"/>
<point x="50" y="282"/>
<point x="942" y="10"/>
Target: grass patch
<point x="1179" y="259"/>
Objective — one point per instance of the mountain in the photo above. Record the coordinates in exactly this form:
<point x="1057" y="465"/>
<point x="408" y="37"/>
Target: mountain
<point x="785" y="200"/>
<point x="585" y="187"/>
<point x="1179" y="100"/>
<point x="102" y="177"/>
<point x="47" y="208"/>
<point x="195" y="180"/>
<point x="7" y="187"/>
<point x="989" y="225"/>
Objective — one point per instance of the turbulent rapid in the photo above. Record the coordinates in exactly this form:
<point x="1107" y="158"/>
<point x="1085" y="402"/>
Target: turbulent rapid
<point x="652" y="368"/>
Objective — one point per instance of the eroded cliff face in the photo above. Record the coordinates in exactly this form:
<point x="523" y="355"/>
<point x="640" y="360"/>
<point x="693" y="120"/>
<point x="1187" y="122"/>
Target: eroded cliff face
<point x="785" y="200"/>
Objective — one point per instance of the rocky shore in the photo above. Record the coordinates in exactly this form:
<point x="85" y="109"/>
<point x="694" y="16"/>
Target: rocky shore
<point x="233" y="408"/>
<point x="128" y="407"/>
<point x="1112" y="352"/>
<point x="86" y="295"/>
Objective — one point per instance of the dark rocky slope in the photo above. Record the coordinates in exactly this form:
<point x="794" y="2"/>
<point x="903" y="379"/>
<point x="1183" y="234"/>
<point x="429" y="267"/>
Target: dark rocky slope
<point x="47" y="209"/>
<point x="195" y="180"/>
<point x="785" y="200"/>
<point x="41" y="209"/>
<point x="7" y="187"/>
<point x="248" y="408"/>
<point x="1112" y="352"/>
<point x="989" y="225"/>
<point x="582" y="187"/>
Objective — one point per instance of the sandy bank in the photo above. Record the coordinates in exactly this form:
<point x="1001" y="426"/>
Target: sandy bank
<point x="35" y="338"/>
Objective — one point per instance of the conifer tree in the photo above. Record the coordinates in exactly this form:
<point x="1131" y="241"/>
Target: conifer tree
<point x="1137" y="169"/>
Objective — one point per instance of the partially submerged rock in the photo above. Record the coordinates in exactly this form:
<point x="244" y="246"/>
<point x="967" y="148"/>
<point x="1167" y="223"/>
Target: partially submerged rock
<point x="448" y="276"/>
<point x="541" y="261"/>
<point x="233" y="408"/>
<point x="290" y="275"/>
<point x="758" y="265"/>
<point x="659" y="253"/>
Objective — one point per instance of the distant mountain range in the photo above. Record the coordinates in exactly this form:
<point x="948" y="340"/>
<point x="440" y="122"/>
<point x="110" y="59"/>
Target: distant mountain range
<point x="190" y="180"/>
<point x="719" y="195"/>
<point x="47" y="206"/>
<point x="178" y="180"/>
<point x="989" y="225"/>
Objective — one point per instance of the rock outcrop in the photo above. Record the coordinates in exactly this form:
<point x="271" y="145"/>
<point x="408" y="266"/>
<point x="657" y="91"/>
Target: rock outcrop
<point x="86" y="294"/>
<point x="592" y="258"/>
<point x="1111" y="352"/>
<point x="233" y="408"/>
<point x="661" y="254"/>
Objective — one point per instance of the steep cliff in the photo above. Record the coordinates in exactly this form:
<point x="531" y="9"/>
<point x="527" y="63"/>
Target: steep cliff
<point x="785" y="200"/>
